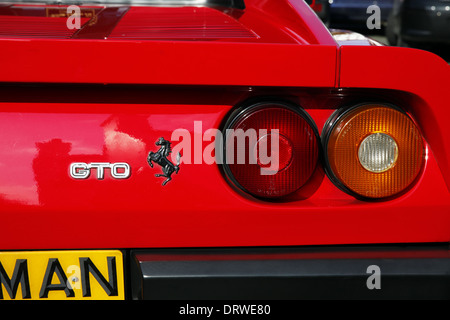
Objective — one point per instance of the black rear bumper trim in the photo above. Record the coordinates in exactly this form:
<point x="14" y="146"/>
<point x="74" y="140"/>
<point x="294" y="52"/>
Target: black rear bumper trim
<point x="405" y="272"/>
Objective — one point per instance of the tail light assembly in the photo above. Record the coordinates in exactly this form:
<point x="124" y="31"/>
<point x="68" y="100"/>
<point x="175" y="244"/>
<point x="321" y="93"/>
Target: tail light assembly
<point x="271" y="149"/>
<point x="372" y="151"/>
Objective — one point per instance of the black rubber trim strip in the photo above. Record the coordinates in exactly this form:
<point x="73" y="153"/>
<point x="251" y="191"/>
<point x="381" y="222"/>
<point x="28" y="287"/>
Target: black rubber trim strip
<point x="290" y="273"/>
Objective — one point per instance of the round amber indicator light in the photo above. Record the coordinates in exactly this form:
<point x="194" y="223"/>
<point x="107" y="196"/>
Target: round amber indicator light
<point x="374" y="151"/>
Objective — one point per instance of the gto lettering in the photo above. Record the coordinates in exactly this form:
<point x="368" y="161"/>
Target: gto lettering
<point x="81" y="170"/>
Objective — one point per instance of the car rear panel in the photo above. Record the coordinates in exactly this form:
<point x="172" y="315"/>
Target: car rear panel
<point x="116" y="98"/>
<point x="43" y="136"/>
<point x="106" y="94"/>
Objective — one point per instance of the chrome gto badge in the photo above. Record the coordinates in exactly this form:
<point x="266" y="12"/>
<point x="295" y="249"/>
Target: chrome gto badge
<point x="160" y="158"/>
<point x="81" y="170"/>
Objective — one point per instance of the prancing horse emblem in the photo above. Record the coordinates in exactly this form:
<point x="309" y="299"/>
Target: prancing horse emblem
<point x="160" y="157"/>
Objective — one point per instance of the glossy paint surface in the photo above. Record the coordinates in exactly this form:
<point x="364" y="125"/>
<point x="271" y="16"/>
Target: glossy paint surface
<point x="197" y="208"/>
<point x="268" y="46"/>
<point x="44" y="128"/>
<point x="161" y="62"/>
<point x="260" y="22"/>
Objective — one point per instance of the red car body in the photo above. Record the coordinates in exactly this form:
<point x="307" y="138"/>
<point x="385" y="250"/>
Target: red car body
<point x="108" y="92"/>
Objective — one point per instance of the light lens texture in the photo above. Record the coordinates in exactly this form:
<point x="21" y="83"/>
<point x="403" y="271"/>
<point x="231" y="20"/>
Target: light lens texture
<point x="296" y="153"/>
<point x="375" y="151"/>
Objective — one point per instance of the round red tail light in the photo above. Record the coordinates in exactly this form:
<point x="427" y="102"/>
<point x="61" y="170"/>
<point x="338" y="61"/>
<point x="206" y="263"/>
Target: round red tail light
<point x="271" y="149"/>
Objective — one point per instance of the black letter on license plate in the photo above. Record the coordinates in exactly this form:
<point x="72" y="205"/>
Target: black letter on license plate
<point x="54" y="266"/>
<point x="20" y="275"/>
<point x="87" y="266"/>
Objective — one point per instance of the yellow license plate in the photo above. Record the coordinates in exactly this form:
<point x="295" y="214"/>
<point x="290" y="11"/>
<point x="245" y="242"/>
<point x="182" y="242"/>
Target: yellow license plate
<point x="62" y="275"/>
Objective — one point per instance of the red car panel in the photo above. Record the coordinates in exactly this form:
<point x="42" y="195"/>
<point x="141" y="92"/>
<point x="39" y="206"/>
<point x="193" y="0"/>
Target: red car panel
<point x="62" y="105"/>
